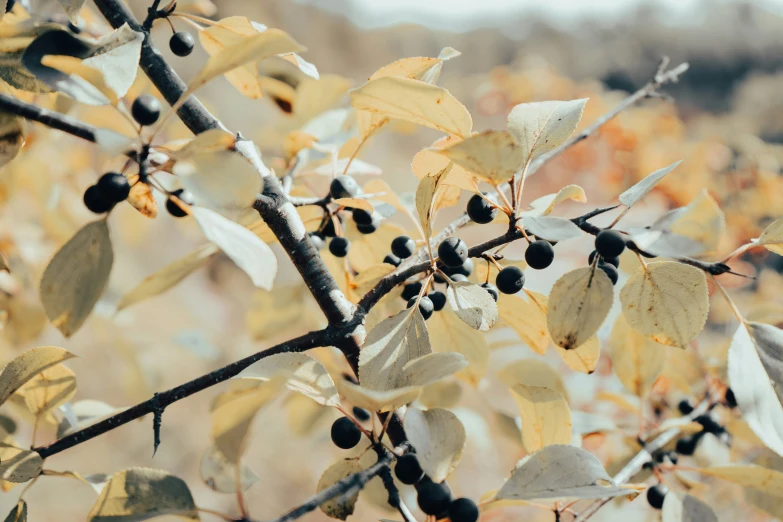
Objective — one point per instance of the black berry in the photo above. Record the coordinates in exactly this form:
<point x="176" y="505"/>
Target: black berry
<point x="656" y="494"/>
<point x="403" y="247"/>
<point x="433" y="498"/>
<point x="610" y="271"/>
<point x="687" y="445"/>
<point x="368" y="228"/>
<point x="615" y="261"/>
<point x="145" y="109"/>
<point x="391" y="259"/>
<point x="327" y="228"/>
<point x="361" y="217"/>
<point x="411" y="290"/>
<point x="459" y="278"/>
<point x="426" y="307"/>
<point x="181" y="43"/>
<point x="344" y="187"/>
<point x="465" y="268"/>
<point x="510" y="280"/>
<point x="480" y="210"/>
<point x="174" y="209"/>
<point x="95" y="202"/>
<point x="453" y="252"/>
<point x="408" y="470"/>
<point x="672" y="456"/>
<point x="339" y="246"/>
<point x="345" y="434"/>
<point x="10" y="6"/>
<point x="539" y="254"/>
<point x="361" y="414"/>
<point x="317" y="240"/>
<point x="685" y="407"/>
<point x="709" y="424"/>
<point x="463" y="510"/>
<point x="438" y="300"/>
<point x="609" y="243"/>
<point x="492" y="289"/>
<point x="731" y="399"/>
<point x="114" y="187"/>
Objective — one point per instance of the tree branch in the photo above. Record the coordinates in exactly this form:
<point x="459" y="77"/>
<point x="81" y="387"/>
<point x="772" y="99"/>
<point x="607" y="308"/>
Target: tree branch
<point x="161" y="400"/>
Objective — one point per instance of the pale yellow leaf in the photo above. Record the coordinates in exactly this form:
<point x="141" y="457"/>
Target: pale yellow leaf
<point x="439" y="438"/>
<point x="431" y="368"/>
<point x="141" y="199"/>
<point x="341" y="506"/>
<point x="378" y="400"/>
<point x="27" y="365"/>
<point x="368" y="249"/>
<point x="450" y="334"/>
<point x="532" y="372"/>
<point x="702" y="221"/>
<point x="427" y="162"/>
<point x="666" y="301"/>
<point x="369" y="277"/>
<point x="583" y="358"/>
<point x="539" y="127"/>
<point x="578" y="304"/>
<point x="493" y="156"/>
<point x="221" y="475"/>
<point x="75" y="66"/>
<point x="750" y="476"/>
<point x="303" y="374"/>
<point x="546" y="418"/>
<point x="425" y="196"/>
<point x="473" y="304"/>
<point x="281" y="310"/>
<point x="49" y="389"/>
<point x="544" y="205"/>
<point x="772" y="237"/>
<point x="76" y="277"/>
<point x="355" y="203"/>
<point x="222" y="180"/>
<point x="636" y="360"/>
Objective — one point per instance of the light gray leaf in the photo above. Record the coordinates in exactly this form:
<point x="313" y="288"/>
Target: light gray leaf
<point x="222" y="180"/>
<point x="686" y="509"/>
<point x="439" y="438"/>
<point x="551" y="228"/>
<point x="220" y="474"/>
<point x="631" y="196"/>
<point x="473" y="305"/>
<point x="244" y="248"/>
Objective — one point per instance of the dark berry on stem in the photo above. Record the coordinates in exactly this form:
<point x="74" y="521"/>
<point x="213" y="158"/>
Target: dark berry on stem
<point x="408" y="470"/>
<point x="182" y="43"/>
<point x="453" y="252"/>
<point x="317" y="240"/>
<point x="403" y="247"/>
<point x="10" y="6"/>
<point x="480" y="210"/>
<point x="145" y="109"/>
<point x="411" y="290"/>
<point x="672" y="456"/>
<point x="465" y="268"/>
<point x="731" y="399"/>
<point x="609" y="243"/>
<point x="339" y="246"/>
<point x="185" y="197"/>
<point x="345" y="434"/>
<point x="492" y="289"/>
<point x="344" y="187"/>
<point x="539" y="254"/>
<point x="459" y="278"/>
<point x="709" y="424"/>
<point x="368" y="228"/>
<point x="438" y="300"/>
<point x="510" y="280"/>
<point x="685" y="407"/>
<point x="687" y="445"/>
<point x="114" y="187"/>
<point x="361" y="217"/>
<point x="95" y="202"/>
<point x="327" y="225"/>
<point x="610" y="271"/>
<point x="463" y="510"/>
<point x="391" y="259"/>
<point x="361" y="414"/>
<point x="656" y="494"/>
<point x="426" y="307"/>
<point x="433" y="498"/>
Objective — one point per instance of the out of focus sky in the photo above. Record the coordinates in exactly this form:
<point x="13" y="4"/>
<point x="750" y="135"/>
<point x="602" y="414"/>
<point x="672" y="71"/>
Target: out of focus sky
<point x="465" y="15"/>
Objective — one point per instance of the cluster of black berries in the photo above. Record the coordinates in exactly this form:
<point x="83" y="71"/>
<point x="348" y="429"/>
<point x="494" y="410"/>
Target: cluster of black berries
<point x="433" y="498"/>
<point x="609" y="244"/>
<point x="687" y="445"/>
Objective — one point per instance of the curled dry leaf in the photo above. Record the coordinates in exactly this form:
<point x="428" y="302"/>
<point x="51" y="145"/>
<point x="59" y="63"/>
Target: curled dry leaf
<point x="439" y="438"/>
<point x="546" y="417"/>
<point x="414" y="101"/>
<point x="539" y="127"/>
<point x="636" y="360"/>
<point x="221" y="475"/>
<point x="137" y="494"/>
<point x="168" y="277"/>
<point x="142" y="199"/>
<point x="686" y="509"/>
<point x="473" y="305"/>
<point x="76" y="277"/>
<point x="772" y="237"/>
<point x="303" y="374"/>
<point x="666" y="301"/>
<point x="756" y="352"/>
<point x="19" y="465"/>
<point x="578" y="304"/>
<point x="27" y="365"/>
<point x="244" y="248"/>
<point x="560" y="472"/>
<point x="341" y="506"/>
<point x="425" y="198"/>
<point x="527" y="319"/>
<point x="13" y="133"/>
<point x="643" y="187"/>
<point x="492" y="156"/>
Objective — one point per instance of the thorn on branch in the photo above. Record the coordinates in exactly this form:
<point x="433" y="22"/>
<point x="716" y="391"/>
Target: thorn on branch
<point x="157" y="421"/>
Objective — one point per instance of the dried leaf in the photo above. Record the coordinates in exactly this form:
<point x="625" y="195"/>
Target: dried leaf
<point x="546" y="418"/>
<point x="341" y="506"/>
<point x="141" y="199"/>
<point x="439" y="438"/>
<point x="493" y="156"/>
<point x="666" y="301"/>
<point x="636" y="360"/>
<point x="560" y="471"/>
<point x="578" y="303"/>
<point x="473" y="305"/>
<point x="539" y="127"/>
<point x="414" y="101"/>
<point x="137" y="494"/>
<point x="27" y="365"/>
<point x="643" y="187"/>
<point x="772" y="237"/>
<point x="76" y="277"/>
<point x="244" y="248"/>
<point x="168" y="277"/>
